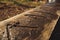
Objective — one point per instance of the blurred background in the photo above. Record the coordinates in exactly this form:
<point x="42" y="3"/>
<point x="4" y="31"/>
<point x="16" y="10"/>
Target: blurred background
<point x="10" y="8"/>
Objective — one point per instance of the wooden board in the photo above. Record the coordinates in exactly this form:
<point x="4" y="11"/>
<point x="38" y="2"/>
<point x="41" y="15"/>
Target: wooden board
<point x="35" y="24"/>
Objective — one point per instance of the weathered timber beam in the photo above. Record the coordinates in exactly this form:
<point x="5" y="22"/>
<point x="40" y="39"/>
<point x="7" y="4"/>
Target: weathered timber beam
<point x="35" y="24"/>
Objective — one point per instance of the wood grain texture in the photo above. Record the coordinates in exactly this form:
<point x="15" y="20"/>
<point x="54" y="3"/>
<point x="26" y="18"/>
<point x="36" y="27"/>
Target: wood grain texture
<point x="35" y="24"/>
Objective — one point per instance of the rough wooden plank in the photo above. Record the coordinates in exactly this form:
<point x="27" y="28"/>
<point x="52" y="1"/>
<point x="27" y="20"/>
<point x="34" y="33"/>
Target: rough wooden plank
<point x="35" y="24"/>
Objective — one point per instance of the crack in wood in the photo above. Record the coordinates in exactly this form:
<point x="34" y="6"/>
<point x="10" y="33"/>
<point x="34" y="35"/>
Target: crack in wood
<point x="17" y="24"/>
<point x="8" y="33"/>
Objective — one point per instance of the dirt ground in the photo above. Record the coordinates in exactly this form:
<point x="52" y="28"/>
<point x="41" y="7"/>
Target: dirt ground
<point x="10" y="10"/>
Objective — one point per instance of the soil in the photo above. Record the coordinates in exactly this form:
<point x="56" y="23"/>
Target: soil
<point x="10" y="10"/>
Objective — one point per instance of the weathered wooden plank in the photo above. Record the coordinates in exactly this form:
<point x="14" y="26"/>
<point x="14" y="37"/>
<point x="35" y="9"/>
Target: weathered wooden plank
<point x="35" y="24"/>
